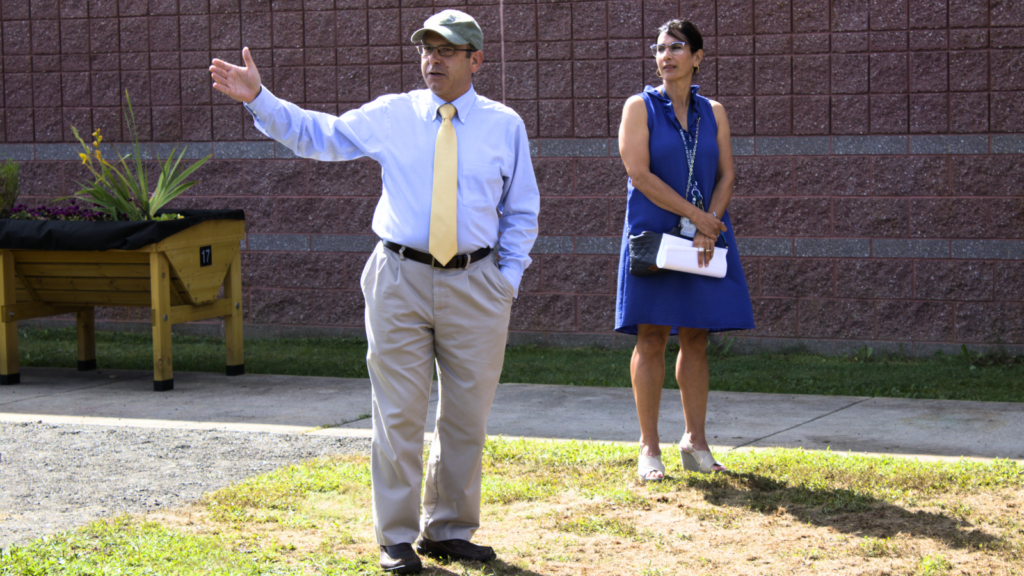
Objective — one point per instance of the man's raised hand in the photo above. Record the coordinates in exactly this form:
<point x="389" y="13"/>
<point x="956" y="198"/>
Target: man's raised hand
<point x="242" y="84"/>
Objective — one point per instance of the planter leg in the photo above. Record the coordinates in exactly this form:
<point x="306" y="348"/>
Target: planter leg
<point x="9" y="368"/>
<point x="160" y="288"/>
<point x="233" y="321"/>
<point x="86" y="322"/>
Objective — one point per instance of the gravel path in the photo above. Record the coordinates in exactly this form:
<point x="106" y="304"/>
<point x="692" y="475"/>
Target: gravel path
<point x="54" y="477"/>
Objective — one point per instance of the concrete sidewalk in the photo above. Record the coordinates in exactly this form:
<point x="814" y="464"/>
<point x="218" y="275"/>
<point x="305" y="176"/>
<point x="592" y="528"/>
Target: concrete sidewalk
<point x="341" y="406"/>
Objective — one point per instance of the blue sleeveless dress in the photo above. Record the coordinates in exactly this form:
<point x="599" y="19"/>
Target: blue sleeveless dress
<point x="678" y="299"/>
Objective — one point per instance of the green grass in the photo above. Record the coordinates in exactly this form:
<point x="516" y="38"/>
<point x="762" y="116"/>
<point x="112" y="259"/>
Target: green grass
<point x="989" y="378"/>
<point x="933" y="566"/>
<point x="280" y="496"/>
<point x="966" y="376"/>
<point x="821" y="479"/>
<point x="313" y="517"/>
<point x="587" y="525"/>
<point x="339" y="357"/>
<point x="125" y="546"/>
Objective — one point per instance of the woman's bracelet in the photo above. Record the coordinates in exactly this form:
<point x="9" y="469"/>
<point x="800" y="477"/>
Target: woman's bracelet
<point x="715" y="213"/>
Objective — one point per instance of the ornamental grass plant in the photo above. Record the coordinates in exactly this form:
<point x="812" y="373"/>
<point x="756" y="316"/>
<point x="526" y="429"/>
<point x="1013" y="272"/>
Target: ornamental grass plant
<point x="122" y="188"/>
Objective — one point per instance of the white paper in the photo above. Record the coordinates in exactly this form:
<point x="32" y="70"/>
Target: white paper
<point x="679" y="254"/>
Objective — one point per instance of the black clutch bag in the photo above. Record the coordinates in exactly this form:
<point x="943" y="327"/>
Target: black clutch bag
<point x="643" y="253"/>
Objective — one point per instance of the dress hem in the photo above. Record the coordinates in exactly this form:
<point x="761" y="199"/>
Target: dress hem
<point x="632" y="328"/>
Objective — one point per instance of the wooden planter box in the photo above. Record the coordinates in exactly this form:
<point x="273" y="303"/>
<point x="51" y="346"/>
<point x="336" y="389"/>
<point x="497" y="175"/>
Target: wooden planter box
<point x="178" y="278"/>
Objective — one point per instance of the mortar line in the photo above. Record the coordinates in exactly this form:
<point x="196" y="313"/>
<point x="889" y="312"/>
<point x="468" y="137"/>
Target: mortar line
<point x="501" y="27"/>
<point x="799" y="425"/>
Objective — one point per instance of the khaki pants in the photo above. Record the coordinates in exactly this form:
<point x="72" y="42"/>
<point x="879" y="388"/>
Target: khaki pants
<point x="416" y="315"/>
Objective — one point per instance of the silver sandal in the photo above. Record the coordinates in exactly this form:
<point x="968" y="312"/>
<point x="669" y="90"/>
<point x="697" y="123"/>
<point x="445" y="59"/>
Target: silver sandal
<point x="698" y="460"/>
<point x="648" y="465"/>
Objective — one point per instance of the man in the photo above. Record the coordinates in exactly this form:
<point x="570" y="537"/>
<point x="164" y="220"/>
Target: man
<point x="456" y="175"/>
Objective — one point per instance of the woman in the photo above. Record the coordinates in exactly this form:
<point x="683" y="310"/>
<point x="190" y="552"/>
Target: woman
<point x="676" y="149"/>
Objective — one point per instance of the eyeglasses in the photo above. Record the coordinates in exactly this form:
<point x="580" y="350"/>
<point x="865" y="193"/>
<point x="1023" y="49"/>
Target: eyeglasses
<point x="676" y="48"/>
<point x="444" y="51"/>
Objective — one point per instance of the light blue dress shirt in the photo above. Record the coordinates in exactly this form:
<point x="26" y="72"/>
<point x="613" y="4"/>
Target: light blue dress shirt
<point x="497" y="189"/>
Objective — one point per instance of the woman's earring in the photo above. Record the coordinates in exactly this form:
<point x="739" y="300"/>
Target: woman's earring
<point x="658" y="73"/>
<point x="697" y="69"/>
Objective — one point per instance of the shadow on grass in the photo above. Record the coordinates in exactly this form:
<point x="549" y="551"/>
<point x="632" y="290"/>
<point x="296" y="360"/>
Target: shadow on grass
<point x="842" y="509"/>
<point x="497" y="567"/>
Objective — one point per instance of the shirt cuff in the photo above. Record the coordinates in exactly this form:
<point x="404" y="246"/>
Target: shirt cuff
<point x="514" y="276"/>
<point x="259" y="107"/>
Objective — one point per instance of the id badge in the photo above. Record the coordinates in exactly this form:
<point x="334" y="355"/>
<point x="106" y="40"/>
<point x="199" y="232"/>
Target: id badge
<point x="687" y="229"/>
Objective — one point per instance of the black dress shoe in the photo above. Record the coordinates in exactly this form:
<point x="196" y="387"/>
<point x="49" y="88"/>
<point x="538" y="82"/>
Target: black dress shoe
<point x="400" y="559"/>
<point x="455" y="550"/>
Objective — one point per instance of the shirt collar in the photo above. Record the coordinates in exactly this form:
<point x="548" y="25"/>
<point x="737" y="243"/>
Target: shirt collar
<point x="463" y="104"/>
<point x="666" y="104"/>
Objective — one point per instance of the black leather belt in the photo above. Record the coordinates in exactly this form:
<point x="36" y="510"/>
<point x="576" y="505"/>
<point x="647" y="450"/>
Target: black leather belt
<point x="457" y="261"/>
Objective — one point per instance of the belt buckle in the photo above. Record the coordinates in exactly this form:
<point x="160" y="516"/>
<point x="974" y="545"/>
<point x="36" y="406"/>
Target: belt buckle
<point x="458" y="261"/>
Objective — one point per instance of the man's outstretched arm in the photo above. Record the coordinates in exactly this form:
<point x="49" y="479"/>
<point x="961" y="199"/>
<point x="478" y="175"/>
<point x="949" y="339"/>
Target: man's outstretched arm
<point x="309" y="134"/>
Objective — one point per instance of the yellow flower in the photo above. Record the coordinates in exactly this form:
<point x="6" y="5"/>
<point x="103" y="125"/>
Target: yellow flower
<point x="98" y="137"/>
<point x="85" y="159"/>
<point x="99" y="156"/>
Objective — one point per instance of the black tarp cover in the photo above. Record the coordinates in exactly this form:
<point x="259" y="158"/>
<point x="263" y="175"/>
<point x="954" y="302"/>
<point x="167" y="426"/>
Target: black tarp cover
<point x="61" y="235"/>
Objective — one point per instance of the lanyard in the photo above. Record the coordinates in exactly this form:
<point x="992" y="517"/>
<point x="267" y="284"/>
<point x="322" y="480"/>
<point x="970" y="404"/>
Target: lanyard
<point x="691" y="156"/>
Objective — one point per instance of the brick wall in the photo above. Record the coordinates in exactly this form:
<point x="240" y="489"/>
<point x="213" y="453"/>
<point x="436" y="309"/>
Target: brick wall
<point x="878" y="148"/>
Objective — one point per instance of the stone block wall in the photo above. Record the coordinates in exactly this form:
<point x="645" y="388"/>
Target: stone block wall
<point x="879" y="148"/>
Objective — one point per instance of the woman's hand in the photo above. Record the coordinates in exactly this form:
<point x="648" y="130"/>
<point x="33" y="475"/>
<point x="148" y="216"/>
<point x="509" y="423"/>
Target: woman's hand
<point x="705" y="246"/>
<point x="635" y="151"/>
<point x="708" y="225"/>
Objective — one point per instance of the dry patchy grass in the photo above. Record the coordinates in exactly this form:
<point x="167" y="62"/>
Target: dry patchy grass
<point x="576" y="508"/>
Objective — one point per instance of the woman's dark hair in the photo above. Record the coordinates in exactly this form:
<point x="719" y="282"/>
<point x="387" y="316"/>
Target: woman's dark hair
<point x="684" y="30"/>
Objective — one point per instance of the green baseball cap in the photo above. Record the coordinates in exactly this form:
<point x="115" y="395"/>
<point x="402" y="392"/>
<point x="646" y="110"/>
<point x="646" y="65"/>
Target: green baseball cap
<point x="456" y="27"/>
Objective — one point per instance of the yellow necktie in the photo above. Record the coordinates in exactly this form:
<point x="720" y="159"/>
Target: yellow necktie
<point x="443" y="243"/>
